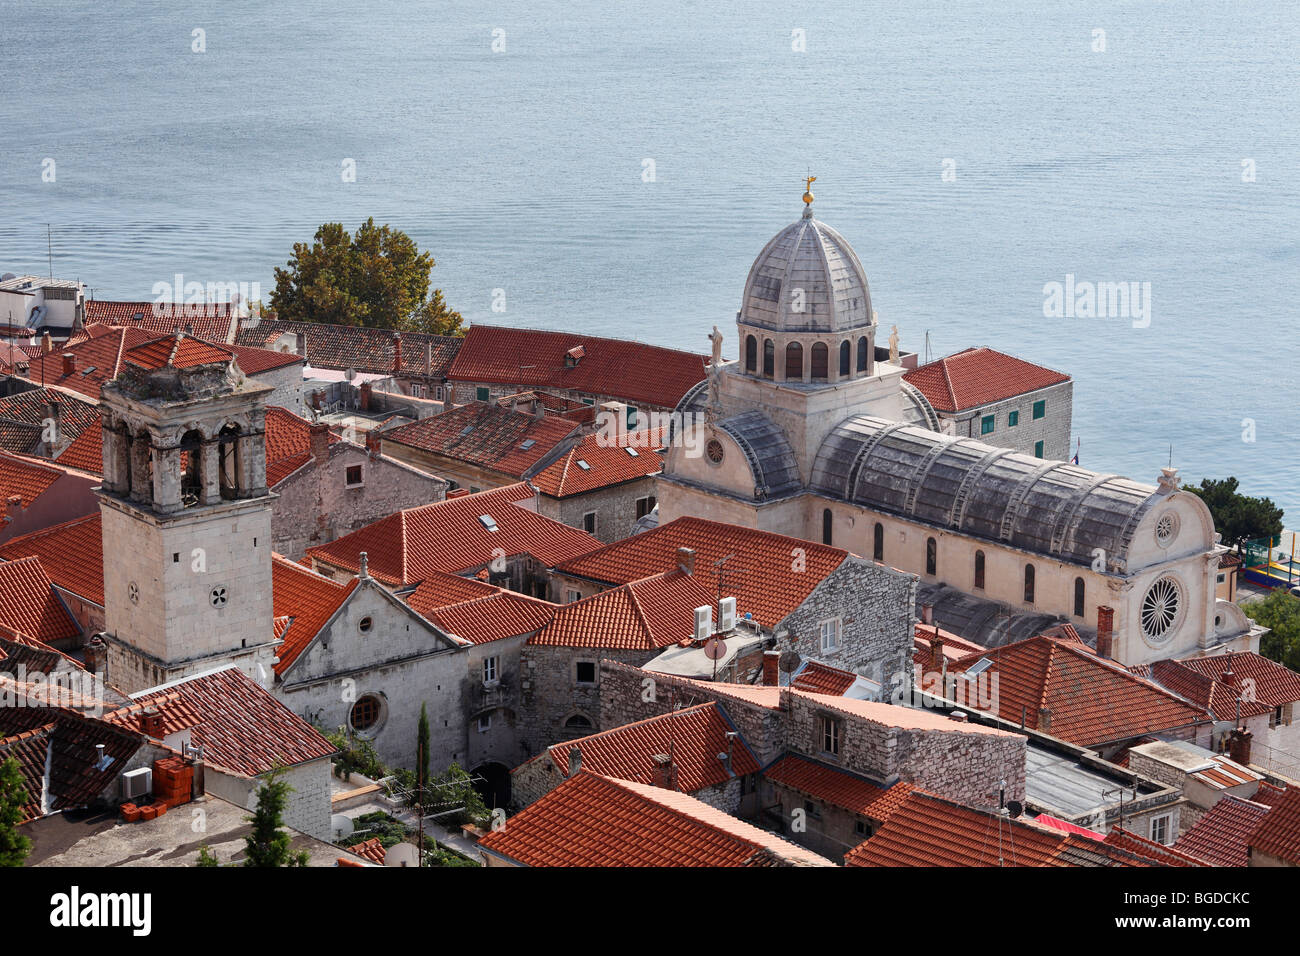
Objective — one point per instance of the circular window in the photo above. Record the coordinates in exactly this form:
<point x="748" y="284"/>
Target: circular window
<point x="365" y="625"/>
<point x="1161" y="608"/>
<point x="133" y="592"/>
<point x="217" y="597"/>
<point x="714" y="450"/>
<point x="366" y="713"/>
<point x="1166" y="529"/>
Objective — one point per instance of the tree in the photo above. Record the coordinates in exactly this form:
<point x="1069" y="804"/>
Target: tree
<point x="422" y="747"/>
<point x="377" y="278"/>
<point x="1281" y="612"/>
<point x="1237" y="517"/>
<point x="14" y="846"/>
<point x="268" y="845"/>
<point x="207" y="857"/>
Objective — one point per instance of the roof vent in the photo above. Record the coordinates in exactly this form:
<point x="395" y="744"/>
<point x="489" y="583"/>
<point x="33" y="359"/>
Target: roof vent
<point x="487" y="522"/>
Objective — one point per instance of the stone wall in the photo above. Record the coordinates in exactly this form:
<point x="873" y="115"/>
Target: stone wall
<point x="615" y="508"/>
<point x="308" y="805"/>
<point x="1053" y="429"/>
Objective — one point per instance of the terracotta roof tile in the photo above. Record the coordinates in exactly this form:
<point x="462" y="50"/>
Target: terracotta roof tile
<point x="1092" y="700"/>
<point x="372" y="850"/>
<point x="892" y="715"/>
<point x="72" y="555"/>
<point x="532" y="358"/>
<point x="590" y="820"/>
<point x="28" y="604"/>
<point x="31" y="407"/>
<point x="1220" y="836"/>
<point x="208" y="320"/>
<point x="86" y="452"/>
<point x="1278" y="834"/>
<point x="288" y="443"/>
<point x="823" y="679"/>
<point x="770" y="589"/>
<point x="694" y="736"/>
<point x="1260" y="680"/>
<point x="343" y="347"/>
<point x="493" y="617"/>
<point x="838" y="787"/>
<point x="608" y="463"/>
<point x="510" y="443"/>
<point x="979" y="376"/>
<point x="651" y="613"/>
<point x="24" y="478"/>
<point x="1149" y="849"/>
<point x="449" y="536"/>
<point x="306" y="597"/>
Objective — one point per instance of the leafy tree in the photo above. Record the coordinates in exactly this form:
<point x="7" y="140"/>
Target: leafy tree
<point x="1237" y="517"/>
<point x="268" y="845"/>
<point x="14" y="846"/>
<point x="1281" y="612"/>
<point x="356" y="755"/>
<point x="422" y="746"/>
<point x="207" y="857"/>
<point x="377" y="278"/>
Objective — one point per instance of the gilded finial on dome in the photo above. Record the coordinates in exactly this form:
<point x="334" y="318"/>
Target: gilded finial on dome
<point x="808" y="196"/>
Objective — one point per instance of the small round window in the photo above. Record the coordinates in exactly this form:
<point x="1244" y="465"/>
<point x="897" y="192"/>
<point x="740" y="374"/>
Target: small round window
<point x="714" y="450"/>
<point x="366" y="624"/>
<point x="366" y="713"/>
<point x="1161" y="609"/>
<point x="1166" y="529"/>
<point x="218" y="597"/>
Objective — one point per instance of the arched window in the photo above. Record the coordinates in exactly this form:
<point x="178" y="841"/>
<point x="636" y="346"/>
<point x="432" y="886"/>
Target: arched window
<point x="228" y="462"/>
<point x="826" y="525"/>
<point x="751" y="354"/>
<point x="878" y="544"/>
<point x="862" y="354"/>
<point x="1029" y="584"/>
<point x="979" y="570"/>
<point x="191" y="450"/>
<point x="794" y="362"/>
<point x="931" y="556"/>
<point x="820" y="361"/>
<point x="769" y="358"/>
<point x="1078" y="597"/>
<point x="846" y="358"/>
<point x="578" y="722"/>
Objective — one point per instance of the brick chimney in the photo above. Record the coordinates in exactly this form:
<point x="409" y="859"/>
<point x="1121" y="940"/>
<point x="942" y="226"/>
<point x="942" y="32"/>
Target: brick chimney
<point x="95" y="654"/>
<point x="575" y="760"/>
<point x="366" y="389"/>
<point x="927" y="613"/>
<point x="13" y="507"/>
<point x="686" y="560"/>
<point x="1239" y="745"/>
<point x="1229" y="678"/>
<point x="69" y="363"/>
<point x="771" y="668"/>
<point x="936" y="652"/>
<point x="372" y="442"/>
<point x="397" y="352"/>
<point x="152" y="723"/>
<point x="1105" y="630"/>
<point x="320" y="442"/>
<point x="1045" y="720"/>
<point x="665" y="773"/>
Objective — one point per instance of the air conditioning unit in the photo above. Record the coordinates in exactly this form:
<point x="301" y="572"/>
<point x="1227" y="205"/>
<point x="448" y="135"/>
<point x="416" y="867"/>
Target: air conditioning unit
<point x="137" y="783"/>
<point x="703" y="623"/>
<point x="727" y="614"/>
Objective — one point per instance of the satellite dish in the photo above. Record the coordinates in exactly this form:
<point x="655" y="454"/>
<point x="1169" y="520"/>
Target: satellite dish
<point x="789" y="661"/>
<point x="714" y="649"/>
<point x="402" y="854"/>
<point x="341" y="826"/>
<point x="1015" y="808"/>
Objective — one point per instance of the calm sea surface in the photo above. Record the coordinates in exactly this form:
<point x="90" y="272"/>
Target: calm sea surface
<point x="524" y="170"/>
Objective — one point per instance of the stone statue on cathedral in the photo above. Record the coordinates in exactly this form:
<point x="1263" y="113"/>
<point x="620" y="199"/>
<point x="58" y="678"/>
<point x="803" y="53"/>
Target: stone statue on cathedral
<point x="893" y="345"/>
<point x="716" y="339"/>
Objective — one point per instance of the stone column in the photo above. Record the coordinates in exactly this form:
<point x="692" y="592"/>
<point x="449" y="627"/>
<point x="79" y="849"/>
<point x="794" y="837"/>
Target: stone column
<point x="209" y="472"/>
<point x="167" y="480"/>
<point x="257" y="464"/>
<point x="140" y="449"/>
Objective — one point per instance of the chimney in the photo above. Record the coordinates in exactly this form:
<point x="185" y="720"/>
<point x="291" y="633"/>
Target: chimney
<point x="771" y="668"/>
<point x="616" y="414"/>
<point x="1239" y="746"/>
<point x="316" y="400"/>
<point x="1045" y="720"/>
<point x="1105" y="630"/>
<point x="366" y="389"/>
<point x="152" y="723"/>
<point x="1229" y="678"/>
<point x="664" y="772"/>
<point x="959" y="716"/>
<point x="13" y="507"/>
<point x="397" y="352"/>
<point x="927" y="613"/>
<point x="575" y="760"/>
<point x="936" y="653"/>
<point x="300" y="343"/>
<point x="69" y="363"/>
<point x="93" y="657"/>
<point x="372" y="442"/>
<point x="320" y="443"/>
<point x="686" y="560"/>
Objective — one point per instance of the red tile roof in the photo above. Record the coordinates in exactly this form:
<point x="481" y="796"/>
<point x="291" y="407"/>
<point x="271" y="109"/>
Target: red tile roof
<point x="770" y="589"/>
<point x="1220" y="836"/>
<point x="1267" y="794"/>
<point x="927" y="830"/>
<point x="530" y="358"/>
<point x="307" y="597"/>
<point x="492" y="614"/>
<point x="448" y="536"/>
<point x="72" y="554"/>
<point x="31" y="407"/>
<point x="86" y="452"/>
<point x="954" y="646"/>
<point x="906" y="718"/>
<point x="590" y="820"/>
<point x="608" y="463"/>
<point x="1260" y="680"/>
<point x="372" y="850"/>
<point x="979" y="376"/>
<point x="838" y="787"/>
<point x="208" y="320"/>
<point x="823" y="679"/>
<point x="29" y="606"/>
<point x="1092" y="700"/>
<point x="288" y="443"/>
<point x="647" y="614"/>
<point x="343" y="347"/>
<point x="24" y="478"/>
<point x="177" y="713"/>
<point x="693" y="736"/>
<point x="1278" y="834"/>
<point x="1213" y="695"/>
<point x="488" y="436"/>
<point x="244" y="728"/>
<point x="1150" y="850"/>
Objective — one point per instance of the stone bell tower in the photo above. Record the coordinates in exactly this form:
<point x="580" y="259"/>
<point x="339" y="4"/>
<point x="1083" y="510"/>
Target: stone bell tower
<point x="187" y="523"/>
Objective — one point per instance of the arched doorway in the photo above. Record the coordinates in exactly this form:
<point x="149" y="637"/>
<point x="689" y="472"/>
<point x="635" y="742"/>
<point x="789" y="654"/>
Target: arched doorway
<point x="492" y="781"/>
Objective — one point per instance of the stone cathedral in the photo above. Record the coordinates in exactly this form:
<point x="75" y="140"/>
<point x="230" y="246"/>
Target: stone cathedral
<point x="813" y="433"/>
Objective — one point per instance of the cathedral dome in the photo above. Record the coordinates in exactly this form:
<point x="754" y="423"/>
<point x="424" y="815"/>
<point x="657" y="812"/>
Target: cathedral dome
<point x="807" y="279"/>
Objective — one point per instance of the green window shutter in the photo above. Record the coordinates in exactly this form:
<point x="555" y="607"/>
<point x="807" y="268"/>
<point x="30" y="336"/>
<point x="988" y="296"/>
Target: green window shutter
<point x="483" y="394"/>
<point x="1040" y="408"/>
<point x="987" y="424"/>
<point x="1038" y="449"/>
<point x="1013" y="419"/>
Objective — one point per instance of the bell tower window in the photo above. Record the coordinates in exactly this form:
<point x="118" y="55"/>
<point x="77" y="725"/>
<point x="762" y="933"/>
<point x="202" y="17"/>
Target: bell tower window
<point x="862" y="354"/>
<point x="769" y="359"/>
<point x="751" y="354"/>
<point x="846" y="358"/>
<point x="794" y="362"/>
<point x="820" y="362"/>
<point x="228" y="467"/>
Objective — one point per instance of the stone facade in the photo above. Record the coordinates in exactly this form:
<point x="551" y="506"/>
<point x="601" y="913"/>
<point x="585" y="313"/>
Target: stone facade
<point x="308" y="805"/>
<point x="615" y="508"/>
<point x="1053" y="429"/>
<point x="319" y="502"/>
<point x="553" y="704"/>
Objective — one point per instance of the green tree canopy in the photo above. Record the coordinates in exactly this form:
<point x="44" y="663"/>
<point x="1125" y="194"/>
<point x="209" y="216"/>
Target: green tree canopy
<point x="422" y="747"/>
<point x="377" y="278"/>
<point x="1237" y="517"/>
<point x="268" y="845"/>
<point x="1281" y="612"/>
<point x="14" y="846"/>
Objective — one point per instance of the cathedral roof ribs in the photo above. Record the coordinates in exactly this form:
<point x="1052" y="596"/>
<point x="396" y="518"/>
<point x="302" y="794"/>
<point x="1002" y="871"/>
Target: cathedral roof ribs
<point x="1051" y="508"/>
<point x="770" y="457"/>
